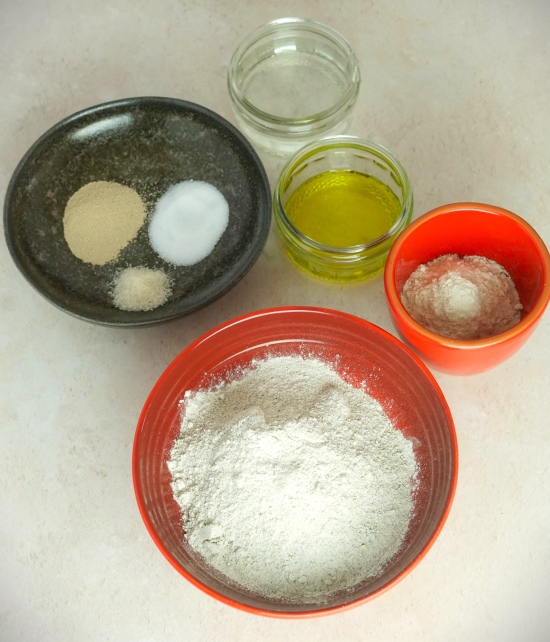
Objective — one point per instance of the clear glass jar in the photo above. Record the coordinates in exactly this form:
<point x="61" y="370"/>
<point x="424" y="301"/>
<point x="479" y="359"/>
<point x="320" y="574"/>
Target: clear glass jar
<point x="293" y="81"/>
<point x="346" y="153"/>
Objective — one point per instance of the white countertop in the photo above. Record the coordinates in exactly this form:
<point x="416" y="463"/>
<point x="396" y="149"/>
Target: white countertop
<point x="460" y="92"/>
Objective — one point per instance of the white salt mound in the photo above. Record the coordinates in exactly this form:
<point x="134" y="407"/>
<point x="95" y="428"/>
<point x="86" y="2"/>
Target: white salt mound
<point x="188" y="221"/>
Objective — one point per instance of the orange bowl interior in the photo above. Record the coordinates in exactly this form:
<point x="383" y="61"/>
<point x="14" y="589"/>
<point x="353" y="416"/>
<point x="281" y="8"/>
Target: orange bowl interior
<point x="470" y="229"/>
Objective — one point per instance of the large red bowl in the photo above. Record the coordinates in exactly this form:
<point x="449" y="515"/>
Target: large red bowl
<point x="363" y="354"/>
<point x="470" y="229"/>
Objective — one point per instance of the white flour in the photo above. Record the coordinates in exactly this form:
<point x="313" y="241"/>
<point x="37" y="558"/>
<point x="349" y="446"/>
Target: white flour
<point x="291" y="482"/>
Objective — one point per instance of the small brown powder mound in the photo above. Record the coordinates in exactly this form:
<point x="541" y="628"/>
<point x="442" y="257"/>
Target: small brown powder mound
<point x="100" y="219"/>
<point x="140" y="288"/>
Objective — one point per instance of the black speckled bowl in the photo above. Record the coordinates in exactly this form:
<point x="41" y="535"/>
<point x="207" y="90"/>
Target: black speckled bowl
<point x="148" y="144"/>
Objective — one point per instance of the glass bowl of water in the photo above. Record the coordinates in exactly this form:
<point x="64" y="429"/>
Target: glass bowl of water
<point x="291" y="81"/>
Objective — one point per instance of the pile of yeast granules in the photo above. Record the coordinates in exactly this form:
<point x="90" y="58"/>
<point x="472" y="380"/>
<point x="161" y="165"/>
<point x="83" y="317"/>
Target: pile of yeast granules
<point x="291" y="482"/>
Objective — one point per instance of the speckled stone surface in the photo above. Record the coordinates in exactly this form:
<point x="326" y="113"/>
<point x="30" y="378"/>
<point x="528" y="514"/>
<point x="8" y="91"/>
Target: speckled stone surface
<point x="459" y="92"/>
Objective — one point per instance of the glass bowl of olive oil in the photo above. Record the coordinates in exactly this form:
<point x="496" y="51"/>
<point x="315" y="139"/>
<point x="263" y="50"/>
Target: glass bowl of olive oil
<point x="339" y="204"/>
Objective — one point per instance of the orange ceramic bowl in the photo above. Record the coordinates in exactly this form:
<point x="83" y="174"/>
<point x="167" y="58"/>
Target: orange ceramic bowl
<point x="470" y="229"/>
<point x="366" y="357"/>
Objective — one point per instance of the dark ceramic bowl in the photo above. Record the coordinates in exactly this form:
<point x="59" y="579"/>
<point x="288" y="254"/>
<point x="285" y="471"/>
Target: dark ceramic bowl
<point x="147" y="144"/>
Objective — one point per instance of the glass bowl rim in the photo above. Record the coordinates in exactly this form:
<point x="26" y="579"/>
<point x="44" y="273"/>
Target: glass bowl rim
<point x="296" y="24"/>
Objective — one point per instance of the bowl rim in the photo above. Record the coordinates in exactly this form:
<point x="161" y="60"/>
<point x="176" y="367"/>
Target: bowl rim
<point x="284" y="310"/>
<point x="265" y="119"/>
<point x="148" y="317"/>
<point x="397" y="307"/>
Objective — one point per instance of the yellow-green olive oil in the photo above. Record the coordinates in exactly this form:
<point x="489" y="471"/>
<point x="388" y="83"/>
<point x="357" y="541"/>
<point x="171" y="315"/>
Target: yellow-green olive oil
<point x="341" y="208"/>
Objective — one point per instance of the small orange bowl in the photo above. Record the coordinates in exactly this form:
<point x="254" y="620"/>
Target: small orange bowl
<point x="470" y="229"/>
